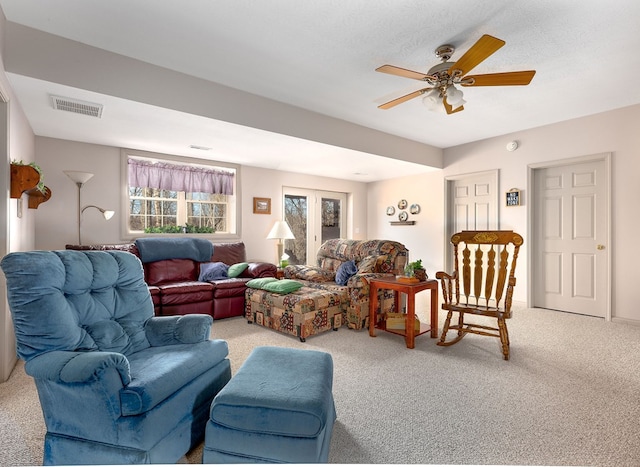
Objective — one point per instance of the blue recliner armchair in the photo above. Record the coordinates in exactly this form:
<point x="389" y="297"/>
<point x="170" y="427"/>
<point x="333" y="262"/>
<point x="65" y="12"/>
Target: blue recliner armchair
<point x="116" y="384"/>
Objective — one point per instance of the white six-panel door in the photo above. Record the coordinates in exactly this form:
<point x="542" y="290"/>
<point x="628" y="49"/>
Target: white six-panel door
<point x="472" y="204"/>
<point x="472" y="201"/>
<point x="571" y="244"/>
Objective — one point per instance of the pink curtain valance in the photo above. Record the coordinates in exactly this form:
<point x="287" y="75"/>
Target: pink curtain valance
<point x="163" y="176"/>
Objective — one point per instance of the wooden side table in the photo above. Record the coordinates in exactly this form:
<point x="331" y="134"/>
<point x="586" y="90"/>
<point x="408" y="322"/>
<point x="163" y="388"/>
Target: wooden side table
<point x="410" y="289"/>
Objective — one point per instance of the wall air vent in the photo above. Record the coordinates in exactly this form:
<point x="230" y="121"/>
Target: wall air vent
<point x="77" y="106"/>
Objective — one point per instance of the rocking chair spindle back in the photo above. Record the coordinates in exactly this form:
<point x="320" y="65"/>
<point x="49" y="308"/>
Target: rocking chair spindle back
<point x="486" y="290"/>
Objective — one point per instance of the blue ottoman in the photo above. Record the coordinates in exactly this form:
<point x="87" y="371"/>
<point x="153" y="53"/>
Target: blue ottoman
<point x="277" y="408"/>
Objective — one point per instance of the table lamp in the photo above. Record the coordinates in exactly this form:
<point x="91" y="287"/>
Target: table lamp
<point x="282" y="232"/>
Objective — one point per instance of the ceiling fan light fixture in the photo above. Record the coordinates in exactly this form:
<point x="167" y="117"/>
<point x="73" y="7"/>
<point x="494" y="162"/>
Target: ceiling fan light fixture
<point x="454" y="96"/>
<point x="460" y="103"/>
<point x="432" y="99"/>
<point x="442" y="77"/>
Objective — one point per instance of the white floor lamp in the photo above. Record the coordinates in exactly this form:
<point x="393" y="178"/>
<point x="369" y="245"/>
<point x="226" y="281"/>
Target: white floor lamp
<point x="80" y="178"/>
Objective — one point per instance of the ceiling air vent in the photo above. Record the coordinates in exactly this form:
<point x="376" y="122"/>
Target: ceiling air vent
<point x="77" y="106"/>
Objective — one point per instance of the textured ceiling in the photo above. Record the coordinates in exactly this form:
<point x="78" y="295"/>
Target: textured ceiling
<point x="321" y="56"/>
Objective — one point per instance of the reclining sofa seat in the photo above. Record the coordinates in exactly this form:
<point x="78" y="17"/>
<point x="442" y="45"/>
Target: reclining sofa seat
<point x="176" y="290"/>
<point x="373" y="258"/>
<point x="116" y="384"/>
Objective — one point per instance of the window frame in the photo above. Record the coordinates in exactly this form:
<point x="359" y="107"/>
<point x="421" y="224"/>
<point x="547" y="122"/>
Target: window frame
<point x="234" y="205"/>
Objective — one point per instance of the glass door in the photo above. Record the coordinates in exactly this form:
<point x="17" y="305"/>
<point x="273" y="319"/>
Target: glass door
<point x="314" y="217"/>
<point x="296" y="214"/>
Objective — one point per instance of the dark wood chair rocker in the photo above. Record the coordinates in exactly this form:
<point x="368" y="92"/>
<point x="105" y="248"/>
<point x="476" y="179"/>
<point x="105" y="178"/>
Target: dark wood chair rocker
<point x="483" y="283"/>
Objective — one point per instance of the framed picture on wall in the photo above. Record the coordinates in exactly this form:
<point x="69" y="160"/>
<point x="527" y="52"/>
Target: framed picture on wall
<point x="262" y="205"/>
<point x="513" y="197"/>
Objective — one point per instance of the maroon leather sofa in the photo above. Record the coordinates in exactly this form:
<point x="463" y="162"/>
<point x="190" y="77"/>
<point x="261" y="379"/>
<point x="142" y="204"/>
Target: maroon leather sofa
<point x="175" y="288"/>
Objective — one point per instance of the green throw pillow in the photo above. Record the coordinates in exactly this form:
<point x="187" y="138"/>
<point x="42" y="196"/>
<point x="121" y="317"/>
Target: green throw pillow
<point x="282" y="286"/>
<point x="259" y="283"/>
<point x="236" y="269"/>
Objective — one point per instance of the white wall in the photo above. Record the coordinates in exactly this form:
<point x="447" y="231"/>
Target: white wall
<point x="20" y="229"/>
<point x="56" y="221"/>
<point x="615" y="132"/>
<point x="424" y="239"/>
<point x="17" y="233"/>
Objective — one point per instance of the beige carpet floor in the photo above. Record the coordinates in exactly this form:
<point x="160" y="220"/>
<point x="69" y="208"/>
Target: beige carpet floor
<point x="570" y="395"/>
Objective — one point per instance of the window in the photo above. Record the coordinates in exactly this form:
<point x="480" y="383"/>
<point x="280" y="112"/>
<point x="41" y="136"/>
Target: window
<point x="175" y="197"/>
<point x="207" y="210"/>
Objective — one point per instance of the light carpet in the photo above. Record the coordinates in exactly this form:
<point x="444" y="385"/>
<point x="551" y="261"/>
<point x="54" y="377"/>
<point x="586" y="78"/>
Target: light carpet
<point x="568" y="396"/>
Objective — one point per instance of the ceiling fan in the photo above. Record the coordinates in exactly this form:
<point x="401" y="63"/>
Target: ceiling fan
<point x="443" y="77"/>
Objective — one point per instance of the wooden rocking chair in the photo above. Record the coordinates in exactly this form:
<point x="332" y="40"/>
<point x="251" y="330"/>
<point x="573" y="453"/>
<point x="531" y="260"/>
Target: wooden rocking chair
<point x="483" y="283"/>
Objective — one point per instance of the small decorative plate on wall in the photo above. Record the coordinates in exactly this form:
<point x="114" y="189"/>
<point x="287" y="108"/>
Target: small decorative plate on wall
<point x="391" y="211"/>
<point x="403" y="216"/>
<point x="415" y="209"/>
<point x="402" y="204"/>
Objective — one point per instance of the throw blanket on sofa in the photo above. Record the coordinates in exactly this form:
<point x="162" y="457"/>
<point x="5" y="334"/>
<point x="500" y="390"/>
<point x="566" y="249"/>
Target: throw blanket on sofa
<point x="157" y="249"/>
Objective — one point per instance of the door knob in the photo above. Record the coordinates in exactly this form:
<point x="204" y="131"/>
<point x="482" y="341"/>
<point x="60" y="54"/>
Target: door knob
<point x="600" y="247"/>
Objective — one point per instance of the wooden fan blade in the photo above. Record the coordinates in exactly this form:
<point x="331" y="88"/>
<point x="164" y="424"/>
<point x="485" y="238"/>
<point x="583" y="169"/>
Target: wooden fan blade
<point x="400" y="100"/>
<point x="450" y="110"/>
<point x="411" y="87"/>
<point x="394" y="70"/>
<point x="478" y="52"/>
<point x="514" y="78"/>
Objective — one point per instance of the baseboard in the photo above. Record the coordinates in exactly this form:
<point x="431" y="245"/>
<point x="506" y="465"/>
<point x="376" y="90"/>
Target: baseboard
<point x="632" y="322"/>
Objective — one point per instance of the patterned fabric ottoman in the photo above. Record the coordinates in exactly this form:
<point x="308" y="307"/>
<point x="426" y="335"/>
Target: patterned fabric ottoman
<point x="303" y="313"/>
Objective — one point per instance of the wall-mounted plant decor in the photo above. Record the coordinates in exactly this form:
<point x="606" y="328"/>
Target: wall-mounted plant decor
<point x="28" y="178"/>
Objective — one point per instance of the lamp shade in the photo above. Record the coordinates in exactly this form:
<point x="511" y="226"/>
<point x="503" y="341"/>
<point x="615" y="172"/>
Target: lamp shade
<point x="454" y="96"/>
<point x="105" y="213"/>
<point x="78" y="177"/>
<point x="460" y="103"/>
<point x="432" y="99"/>
<point x="281" y="230"/>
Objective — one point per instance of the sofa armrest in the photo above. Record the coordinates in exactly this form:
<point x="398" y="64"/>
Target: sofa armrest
<point x="260" y="269"/>
<point x="77" y="367"/>
<point x="185" y="329"/>
<point x="358" y="285"/>
<point x="306" y="272"/>
<point x="94" y="379"/>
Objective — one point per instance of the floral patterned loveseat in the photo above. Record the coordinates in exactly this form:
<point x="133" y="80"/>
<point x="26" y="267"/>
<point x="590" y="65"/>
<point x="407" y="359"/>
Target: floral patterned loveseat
<point x="373" y="258"/>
